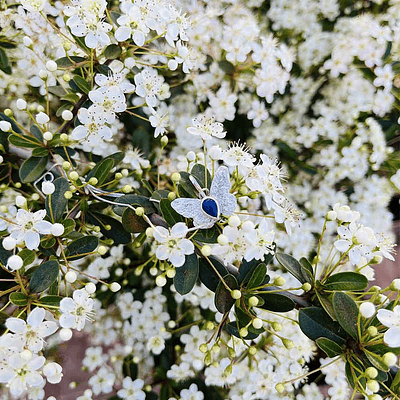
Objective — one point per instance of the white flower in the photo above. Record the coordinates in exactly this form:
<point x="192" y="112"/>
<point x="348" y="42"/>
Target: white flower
<point x="93" y="123"/>
<point x="132" y="390"/>
<point x="173" y="245"/>
<point x="102" y="382"/>
<point x="28" y="227"/>
<point x="356" y="239"/>
<point x="391" y="319"/>
<point x="33" y="5"/>
<point x="206" y="128"/>
<point x="159" y="120"/>
<point x="192" y="393"/>
<point x="148" y="85"/>
<point x="106" y="103"/>
<point x="20" y="374"/>
<point x="94" y="357"/>
<point x="32" y="332"/>
<point x="156" y="344"/>
<point x="76" y="311"/>
<point x="238" y="156"/>
<point x="53" y="372"/>
<point x="260" y="240"/>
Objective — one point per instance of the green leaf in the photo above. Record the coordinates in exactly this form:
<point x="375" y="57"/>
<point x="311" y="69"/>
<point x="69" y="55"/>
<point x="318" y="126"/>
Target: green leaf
<point x="346" y="313"/>
<point x="258" y="276"/>
<point x="40" y="152"/>
<point x="69" y="225"/>
<point x="346" y="281"/>
<point x="223" y="299"/>
<point x="133" y="223"/>
<point x="19" y="299"/>
<point x="66" y="62"/>
<point x="291" y="265"/>
<point x="44" y="276"/>
<point x="48" y="242"/>
<point x="56" y="202"/>
<point x="185" y="187"/>
<point x="353" y="373"/>
<point x="24" y="141"/>
<point x="199" y="172"/>
<point x="117" y="232"/>
<point x="169" y="214"/>
<point x="4" y="254"/>
<point x="82" y="84"/>
<point x="326" y="304"/>
<point x="28" y="256"/>
<point x="186" y="276"/>
<point x="4" y="66"/>
<point x="112" y="51"/>
<point x="32" y="168"/>
<point x="207" y="274"/>
<point x="276" y="302"/>
<point x="395" y="386"/>
<point x="307" y="270"/>
<point x="246" y="268"/>
<point x="315" y="323"/>
<point x="376" y="360"/>
<point x="35" y="130"/>
<point x="331" y="348"/>
<point x="56" y="90"/>
<point x="101" y="170"/>
<point x="382" y="349"/>
<point x="66" y="153"/>
<point x="136" y="201"/>
<point x="207" y="235"/>
<point x="71" y="97"/>
<point x="50" y="300"/>
<point x="81" y="247"/>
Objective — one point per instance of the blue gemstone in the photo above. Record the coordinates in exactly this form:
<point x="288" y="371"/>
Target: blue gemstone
<point x="210" y="207"/>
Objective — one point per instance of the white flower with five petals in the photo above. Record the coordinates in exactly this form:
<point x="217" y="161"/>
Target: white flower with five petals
<point x="172" y="244"/>
<point x="31" y="333"/>
<point x="77" y="310"/>
<point x="28" y="226"/>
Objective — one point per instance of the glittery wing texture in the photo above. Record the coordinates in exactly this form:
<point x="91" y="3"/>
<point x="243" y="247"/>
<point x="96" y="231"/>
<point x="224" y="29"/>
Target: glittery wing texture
<point x="220" y="187"/>
<point x="191" y="208"/>
<point x="188" y="208"/>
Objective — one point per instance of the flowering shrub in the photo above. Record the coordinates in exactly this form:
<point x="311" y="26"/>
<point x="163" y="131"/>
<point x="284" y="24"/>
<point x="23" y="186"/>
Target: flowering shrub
<point x="133" y="209"/>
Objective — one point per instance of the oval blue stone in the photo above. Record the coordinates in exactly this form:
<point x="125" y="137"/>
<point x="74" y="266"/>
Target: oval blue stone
<point x="210" y="207"/>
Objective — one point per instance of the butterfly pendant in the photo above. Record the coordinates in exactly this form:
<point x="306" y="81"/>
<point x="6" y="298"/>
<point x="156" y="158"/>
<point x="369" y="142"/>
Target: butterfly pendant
<point x="208" y="209"/>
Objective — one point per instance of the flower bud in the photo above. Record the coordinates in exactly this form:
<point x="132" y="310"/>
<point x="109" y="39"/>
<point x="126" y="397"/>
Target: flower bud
<point x="164" y="141"/>
<point x="43" y="74"/>
<point x="372" y="330"/>
<point x="331" y="215"/>
<point x="276" y="326"/>
<point x="203" y="348"/>
<point x="9" y="243"/>
<point x="257" y="323"/>
<point x="395" y="285"/>
<point x="223" y="240"/>
<point x="51" y="66"/>
<point x="90" y="288"/>
<point x="306" y="287"/>
<point x="176" y="177"/>
<point x="279" y="281"/>
<point x="5" y="126"/>
<point x="67" y="115"/>
<point x="206" y="250"/>
<point x="68" y="194"/>
<point x="20" y="201"/>
<point x="74" y="176"/>
<point x="15" y="262"/>
<point x="253" y="301"/>
<point x="389" y="359"/>
<point x="115" y="287"/>
<point x="236" y="294"/>
<point x="8" y="112"/>
<point x="47" y="136"/>
<point x="102" y="250"/>
<point x="161" y="281"/>
<point x="367" y="309"/>
<point x="234" y="221"/>
<point x="48" y="187"/>
<point x="373" y="386"/>
<point x="288" y="343"/>
<point x="21" y="104"/>
<point x="191" y="156"/>
<point x="252" y="350"/>
<point x="371" y="372"/>
<point x="139" y="211"/>
<point x="243" y="332"/>
<point x="27" y="41"/>
<point x="280" y="388"/>
<point x="171" y="196"/>
<point x="42" y="118"/>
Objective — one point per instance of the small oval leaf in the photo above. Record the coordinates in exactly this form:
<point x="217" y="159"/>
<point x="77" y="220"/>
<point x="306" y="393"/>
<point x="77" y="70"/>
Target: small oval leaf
<point x="44" y="276"/>
<point x="186" y="276"/>
<point x="346" y="313"/>
<point x="81" y="247"/>
<point x="223" y="299"/>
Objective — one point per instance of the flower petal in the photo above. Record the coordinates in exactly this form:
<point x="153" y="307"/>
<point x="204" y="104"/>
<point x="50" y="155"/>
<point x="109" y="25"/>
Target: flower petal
<point x="36" y="317"/>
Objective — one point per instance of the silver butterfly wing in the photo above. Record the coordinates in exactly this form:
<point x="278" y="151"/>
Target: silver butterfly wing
<point x="191" y="208"/>
<point x="220" y="187"/>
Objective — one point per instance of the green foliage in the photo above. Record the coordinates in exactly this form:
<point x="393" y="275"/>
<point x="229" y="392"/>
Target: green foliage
<point x="44" y="276"/>
<point x="346" y="281"/>
<point x="32" y="168"/>
<point x="208" y="274"/>
<point x="81" y="247"/>
<point x="346" y="313"/>
<point x="223" y="299"/>
<point x="186" y="276"/>
<point x="301" y="272"/>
